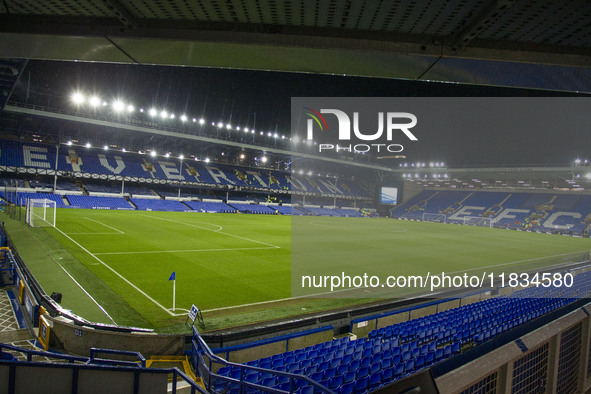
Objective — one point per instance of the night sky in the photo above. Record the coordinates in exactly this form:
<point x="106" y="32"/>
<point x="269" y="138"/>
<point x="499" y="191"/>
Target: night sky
<point x="243" y="97"/>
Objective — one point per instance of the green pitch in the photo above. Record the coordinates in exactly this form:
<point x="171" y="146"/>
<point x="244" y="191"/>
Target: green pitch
<point x="115" y="265"/>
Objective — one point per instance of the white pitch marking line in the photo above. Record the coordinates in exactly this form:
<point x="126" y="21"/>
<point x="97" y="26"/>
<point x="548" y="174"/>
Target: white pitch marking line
<point x="184" y="251"/>
<point x="106" y="225"/>
<point x="203" y="228"/>
<point x="91" y="233"/>
<point x="117" y="273"/>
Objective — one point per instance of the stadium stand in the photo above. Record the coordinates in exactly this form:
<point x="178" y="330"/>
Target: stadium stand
<point x="393" y="352"/>
<point x="94" y="202"/>
<point x="159" y="205"/>
<point x="212" y="207"/>
<point x="253" y="208"/>
<point x="76" y="160"/>
<point x="546" y="212"/>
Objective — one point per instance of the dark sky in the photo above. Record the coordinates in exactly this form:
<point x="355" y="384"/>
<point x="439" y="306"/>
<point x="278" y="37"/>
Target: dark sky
<point x="238" y="96"/>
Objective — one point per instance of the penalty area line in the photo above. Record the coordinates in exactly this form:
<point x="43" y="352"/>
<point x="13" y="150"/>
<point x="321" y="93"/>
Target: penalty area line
<point x="215" y="231"/>
<point x="106" y="225"/>
<point x="184" y="251"/>
<point x="116" y="273"/>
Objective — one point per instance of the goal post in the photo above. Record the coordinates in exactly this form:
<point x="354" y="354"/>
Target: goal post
<point x="478" y="221"/>
<point x="434" y="217"/>
<point x="41" y="213"/>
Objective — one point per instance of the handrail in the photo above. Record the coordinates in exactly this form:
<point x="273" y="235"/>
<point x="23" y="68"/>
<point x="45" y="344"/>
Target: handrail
<point x="197" y="340"/>
<point x="95" y="351"/>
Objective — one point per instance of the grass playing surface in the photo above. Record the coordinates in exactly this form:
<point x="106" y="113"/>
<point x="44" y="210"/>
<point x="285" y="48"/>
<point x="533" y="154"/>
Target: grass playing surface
<point x="115" y="265"/>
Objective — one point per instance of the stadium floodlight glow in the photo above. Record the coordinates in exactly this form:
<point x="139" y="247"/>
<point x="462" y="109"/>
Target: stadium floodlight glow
<point x="310" y="173"/>
<point x="578" y="161"/>
<point x="275" y="135"/>
<point x="238" y="128"/>
<point x="242" y="156"/>
<point x="246" y="129"/>
<point x="228" y="126"/>
<point x="183" y="118"/>
<point x="153" y="112"/>
<point x="431" y="164"/>
<point x="282" y="137"/>
<point x="141" y="110"/>
<point x="181" y="156"/>
<point x="105" y="104"/>
<point x="123" y="150"/>
<point x="587" y="175"/>
<point x="301" y="172"/>
<point x="164" y="114"/>
<point x="94" y="101"/>
<point x="118" y="105"/>
<point x="194" y="120"/>
<point x="201" y="121"/>
<point x="69" y="143"/>
<point x="171" y="116"/>
<point x="78" y="98"/>
<point x="88" y="145"/>
<point x="252" y="131"/>
<point x="130" y="108"/>
<point x="153" y="153"/>
<point x="264" y="159"/>
<point x="269" y="134"/>
<point x="220" y="125"/>
<point x="167" y="155"/>
<point x="206" y="160"/>
<point x="106" y="147"/>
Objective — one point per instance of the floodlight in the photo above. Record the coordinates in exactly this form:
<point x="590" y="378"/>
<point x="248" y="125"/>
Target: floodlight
<point x="242" y="156"/>
<point x="207" y="160"/>
<point x="264" y="159"/>
<point x="183" y="118"/>
<point x="69" y="143"/>
<point x="261" y="133"/>
<point x="118" y="105"/>
<point x="105" y="104"/>
<point x="164" y="114"/>
<point x="269" y="134"/>
<point x="220" y="125"/>
<point x="153" y="153"/>
<point x="282" y="137"/>
<point x="153" y="112"/>
<point x="106" y="147"/>
<point x="123" y="150"/>
<point x="171" y="116"/>
<point x="301" y="172"/>
<point x="246" y="129"/>
<point x="310" y="173"/>
<point x="130" y="108"/>
<point x="588" y="175"/>
<point x="251" y="131"/>
<point x="181" y="156"/>
<point x="88" y="145"/>
<point x="167" y="155"/>
<point x="94" y="101"/>
<point x="238" y="128"/>
<point x="275" y="135"/>
<point x="141" y="110"/>
<point x="77" y="98"/>
<point x="228" y="126"/>
<point x="201" y="121"/>
<point x="194" y="120"/>
<point x="431" y="164"/>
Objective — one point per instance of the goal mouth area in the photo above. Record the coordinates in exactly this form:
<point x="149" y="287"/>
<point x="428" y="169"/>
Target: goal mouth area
<point x="41" y="212"/>
<point x="435" y="217"/>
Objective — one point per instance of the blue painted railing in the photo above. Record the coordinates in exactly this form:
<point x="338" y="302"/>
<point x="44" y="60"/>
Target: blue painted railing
<point x="204" y="362"/>
<point x="77" y="363"/>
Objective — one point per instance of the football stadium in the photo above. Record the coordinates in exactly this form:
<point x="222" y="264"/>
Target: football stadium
<point x="194" y="197"/>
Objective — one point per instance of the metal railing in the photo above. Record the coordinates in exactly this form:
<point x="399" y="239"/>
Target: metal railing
<point x="77" y="363"/>
<point x="204" y="362"/>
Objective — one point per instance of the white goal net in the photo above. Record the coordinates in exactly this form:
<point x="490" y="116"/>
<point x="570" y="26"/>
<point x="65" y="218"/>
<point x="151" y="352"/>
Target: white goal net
<point x="41" y="213"/>
<point x="434" y="217"/>
<point x="478" y="221"/>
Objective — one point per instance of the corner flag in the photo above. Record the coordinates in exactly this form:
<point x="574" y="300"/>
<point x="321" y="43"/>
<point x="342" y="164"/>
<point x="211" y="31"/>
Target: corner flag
<point x="173" y="279"/>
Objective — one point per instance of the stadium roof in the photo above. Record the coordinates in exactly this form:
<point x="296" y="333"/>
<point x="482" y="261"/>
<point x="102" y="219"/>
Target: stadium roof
<point x="541" y="44"/>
